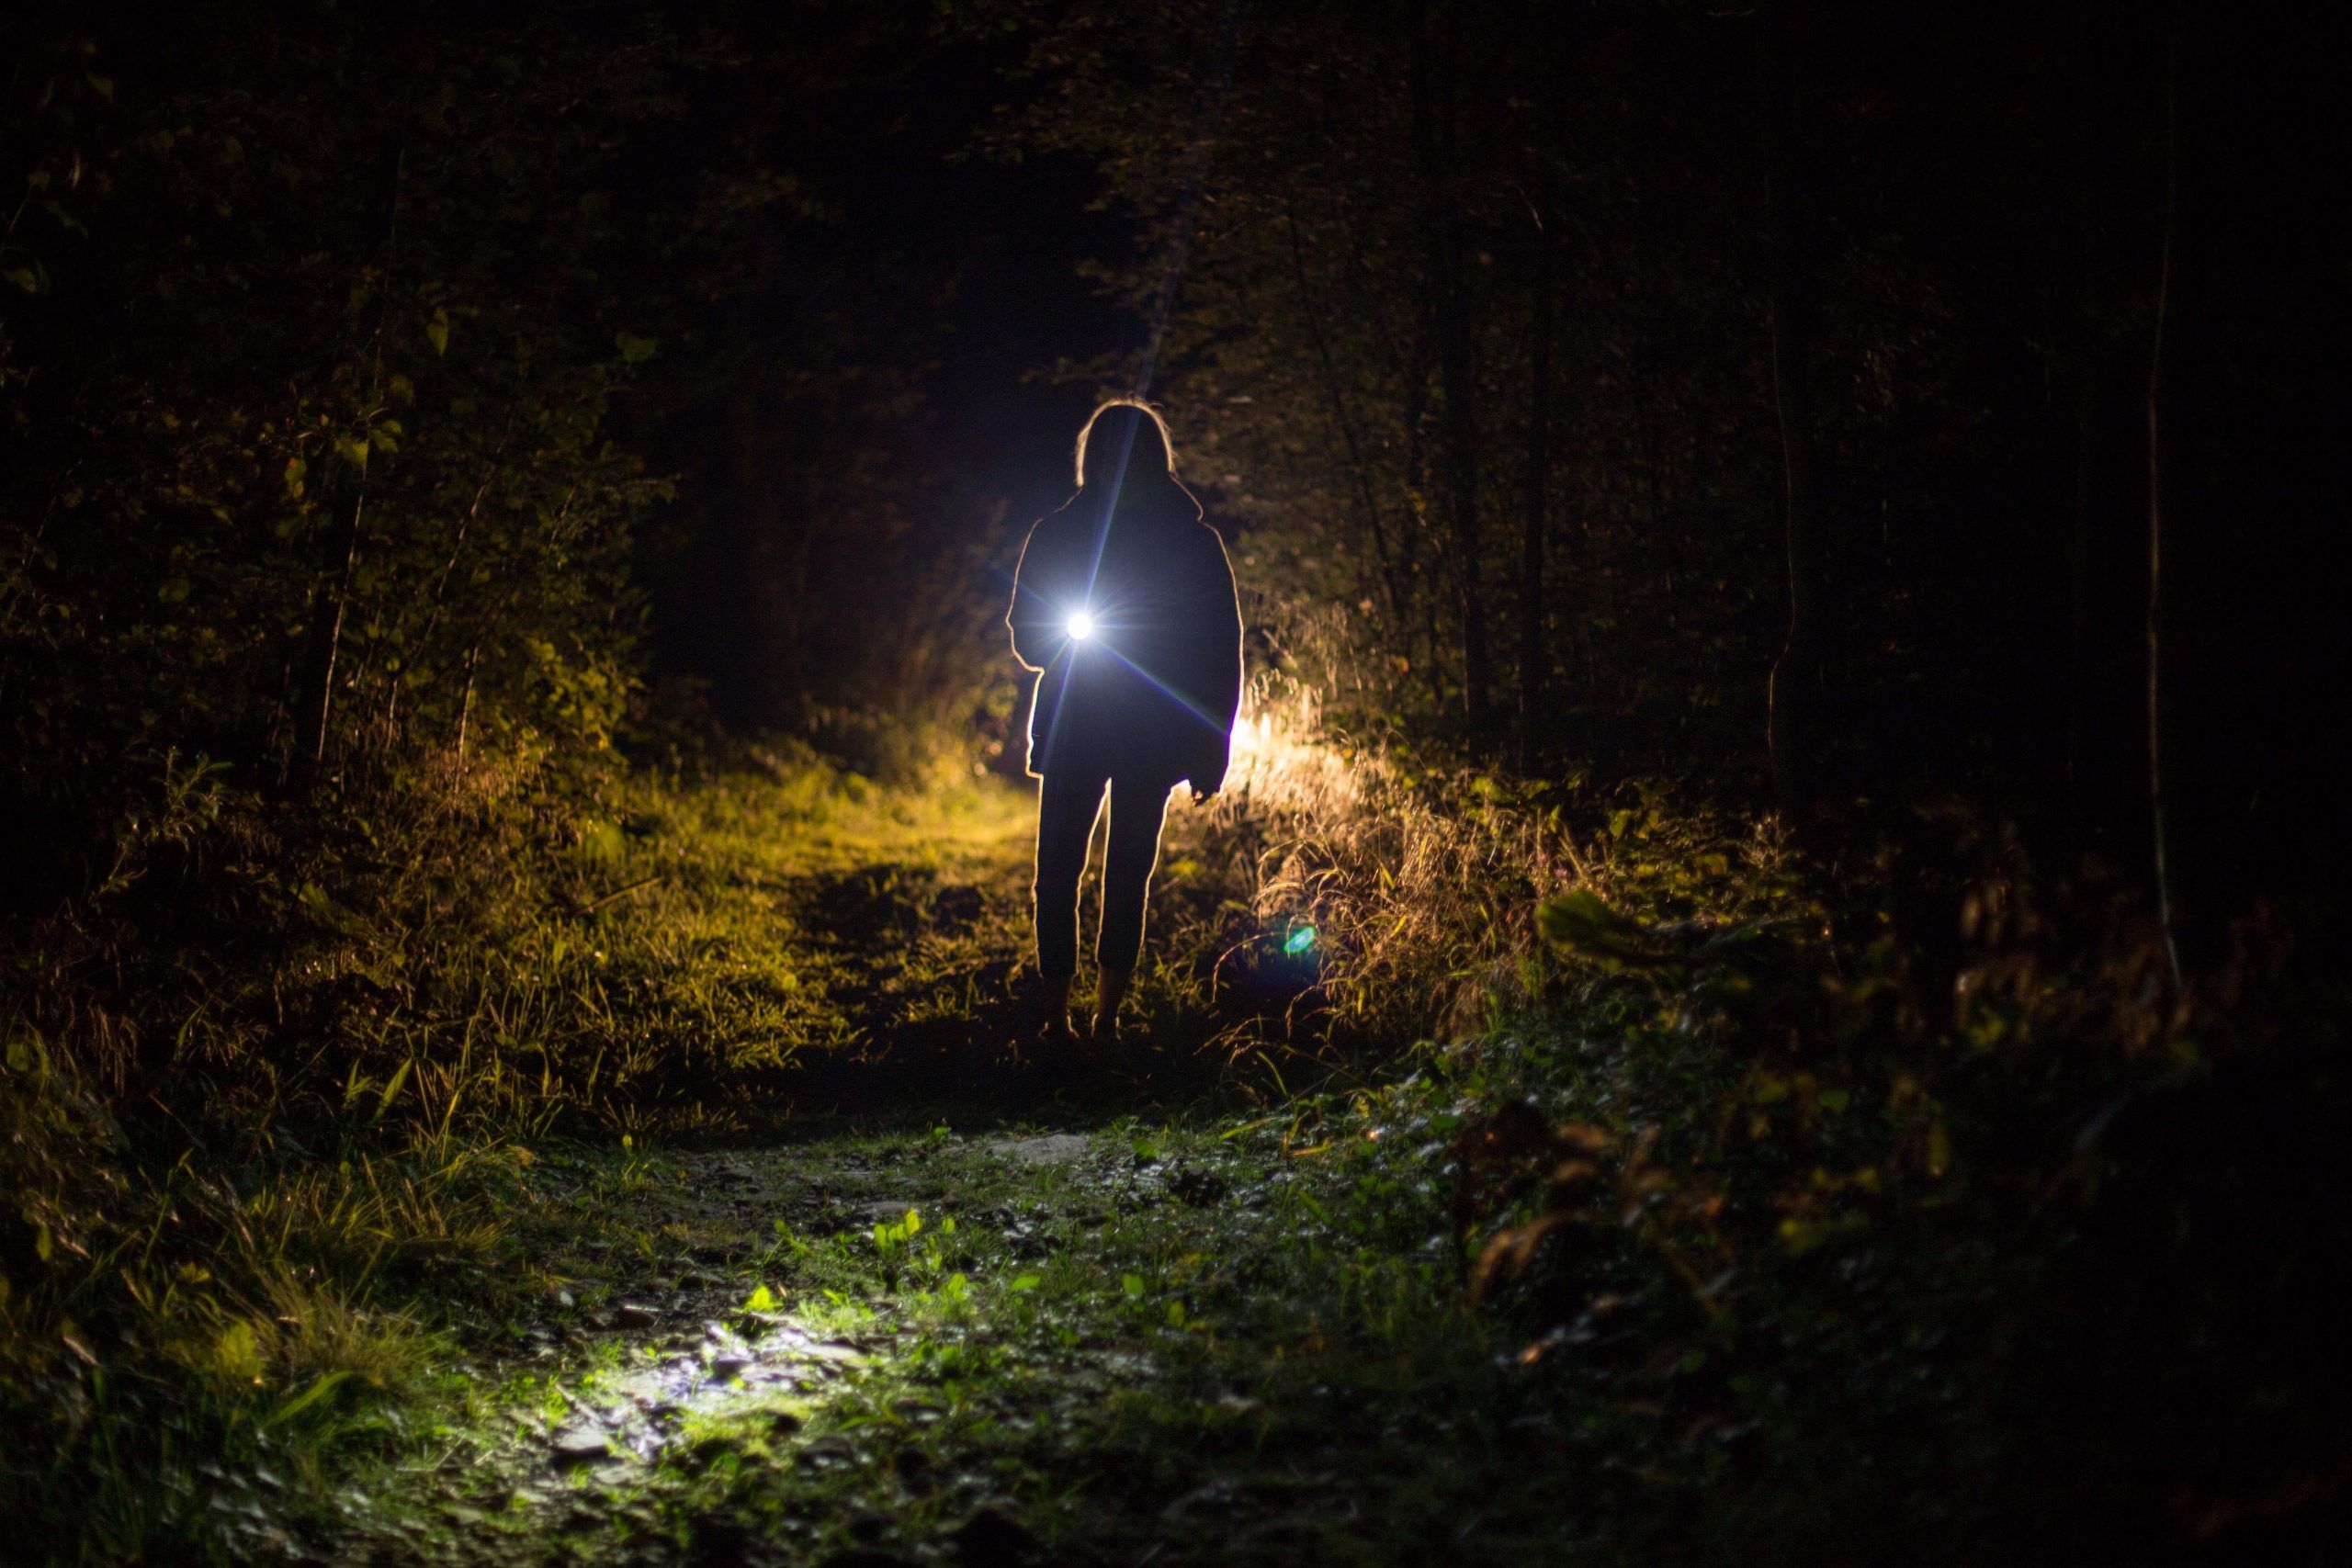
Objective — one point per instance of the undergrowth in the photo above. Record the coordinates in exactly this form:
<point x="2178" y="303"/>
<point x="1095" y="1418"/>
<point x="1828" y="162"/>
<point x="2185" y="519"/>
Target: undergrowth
<point x="269" y="1082"/>
<point x="1889" y="1204"/>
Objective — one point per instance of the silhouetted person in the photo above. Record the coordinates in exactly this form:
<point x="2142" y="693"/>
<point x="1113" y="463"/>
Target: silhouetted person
<point x="1125" y="606"/>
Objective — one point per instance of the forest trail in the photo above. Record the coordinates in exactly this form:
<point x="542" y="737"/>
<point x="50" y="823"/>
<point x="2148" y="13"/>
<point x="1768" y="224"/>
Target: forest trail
<point x="926" y="1305"/>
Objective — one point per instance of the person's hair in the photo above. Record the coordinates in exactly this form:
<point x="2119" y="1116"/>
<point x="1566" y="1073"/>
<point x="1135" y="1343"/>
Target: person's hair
<point x="1117" y="444"/>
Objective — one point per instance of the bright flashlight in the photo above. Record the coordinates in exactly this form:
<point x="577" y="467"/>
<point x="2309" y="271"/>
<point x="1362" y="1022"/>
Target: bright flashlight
<point x="1081" y="626"/>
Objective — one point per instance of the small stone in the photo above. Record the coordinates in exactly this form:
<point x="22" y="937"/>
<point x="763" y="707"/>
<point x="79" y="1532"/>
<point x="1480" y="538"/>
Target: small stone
<point x="583" y="1444"/>
<point x="1055" y="1149"/>
<point x="729" y="1364"/>
<point x="631" y="1314"/>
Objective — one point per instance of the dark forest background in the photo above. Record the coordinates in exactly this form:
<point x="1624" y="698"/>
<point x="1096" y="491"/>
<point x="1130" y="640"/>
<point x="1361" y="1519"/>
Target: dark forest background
<point x="389" y="386"/>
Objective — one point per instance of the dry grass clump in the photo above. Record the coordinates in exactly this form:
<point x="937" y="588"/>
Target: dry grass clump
<point x="1422" y="881"/>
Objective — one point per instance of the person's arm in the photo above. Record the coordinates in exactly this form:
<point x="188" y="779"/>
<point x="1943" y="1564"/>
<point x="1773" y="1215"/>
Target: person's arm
<point x="1222" y="643"/>
<point x="1037" y="633"/>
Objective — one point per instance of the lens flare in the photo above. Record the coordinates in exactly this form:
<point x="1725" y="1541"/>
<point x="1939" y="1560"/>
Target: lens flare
<point x="1081" y="626"/>
<point x="1301" y="941"/>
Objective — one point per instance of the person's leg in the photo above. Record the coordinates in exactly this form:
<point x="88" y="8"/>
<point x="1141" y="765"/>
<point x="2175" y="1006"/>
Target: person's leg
<point x="1132" y="849"/>
<point x="1065" y="811"/>
<point x="1110" y="989"/>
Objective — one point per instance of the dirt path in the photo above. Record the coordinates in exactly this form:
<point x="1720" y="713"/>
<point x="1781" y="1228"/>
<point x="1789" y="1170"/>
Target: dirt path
<point x="1023" y="1343"/>
<point x="962" y="1311"/>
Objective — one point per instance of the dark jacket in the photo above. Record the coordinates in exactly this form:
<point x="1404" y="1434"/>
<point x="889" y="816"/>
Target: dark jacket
<point x="1154" y="691"/>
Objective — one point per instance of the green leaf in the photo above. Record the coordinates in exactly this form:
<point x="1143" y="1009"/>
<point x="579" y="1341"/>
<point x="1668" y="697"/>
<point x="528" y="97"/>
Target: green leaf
<point x="1024" y="1283"/>
<point x="635" y="349"/>
<point x="1579" y="922"/>
<point x="236" y="1354"/>
<point x="1131" y="1284"/>
<point x="437" y="331"/>
<point x="23" y="277"/>
<point x="761" y="1299"/>
<point x="320" y="1386"/>
<point x="174" y="590"/>
<point x="384" y="1101"/>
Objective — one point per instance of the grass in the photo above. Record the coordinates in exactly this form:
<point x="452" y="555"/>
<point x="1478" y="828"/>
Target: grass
<point x="1603" y="1181"/>
<point x="258" y="1270"/>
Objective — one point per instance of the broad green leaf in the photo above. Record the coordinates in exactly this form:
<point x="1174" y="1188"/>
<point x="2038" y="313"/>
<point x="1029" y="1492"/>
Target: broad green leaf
<point x="236" y="1353"/>
<point x="1580" y="923"/>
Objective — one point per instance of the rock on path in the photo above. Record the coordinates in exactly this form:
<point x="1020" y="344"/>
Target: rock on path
<point x="1055" y="1149"/>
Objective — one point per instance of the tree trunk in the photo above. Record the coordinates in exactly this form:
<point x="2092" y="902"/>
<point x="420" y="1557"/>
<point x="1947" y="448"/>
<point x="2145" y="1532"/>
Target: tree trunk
<point x="1652" y="455"/>
<point x="2082" y="58"/>
<point x="1417" y="490"/>
<point x="1434" y="65"/>
<point x="314" y="692"/>
<point x="1793" y="703"/>
<point x="314" y="697"/>
<point x="2078" y="552"/>
<point x="1375" y="527"/>
<point x="2159" y="456"/>
<point x="1533" y="661"/>
<point x="466" y="705"/>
